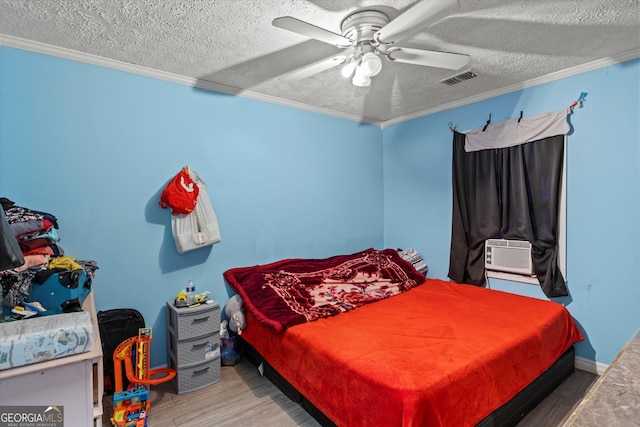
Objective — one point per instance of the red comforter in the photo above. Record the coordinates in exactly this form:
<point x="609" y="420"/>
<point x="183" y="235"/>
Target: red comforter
<point x="440" y="354"/>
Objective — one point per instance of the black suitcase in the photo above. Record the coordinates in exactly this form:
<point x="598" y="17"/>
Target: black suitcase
<point x="116" y="325"/>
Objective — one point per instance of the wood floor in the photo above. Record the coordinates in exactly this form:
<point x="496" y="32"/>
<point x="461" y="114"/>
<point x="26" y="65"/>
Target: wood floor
<point x="244" y="398"/>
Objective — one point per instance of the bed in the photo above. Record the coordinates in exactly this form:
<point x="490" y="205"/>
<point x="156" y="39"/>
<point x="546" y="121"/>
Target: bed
<point x="364" y="339"/>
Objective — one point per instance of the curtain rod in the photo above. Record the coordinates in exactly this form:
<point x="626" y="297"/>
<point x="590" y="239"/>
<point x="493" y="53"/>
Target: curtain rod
<point x="581" y="99"/>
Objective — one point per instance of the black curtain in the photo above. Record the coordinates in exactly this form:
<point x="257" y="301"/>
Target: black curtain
<point x="508" y="192"/>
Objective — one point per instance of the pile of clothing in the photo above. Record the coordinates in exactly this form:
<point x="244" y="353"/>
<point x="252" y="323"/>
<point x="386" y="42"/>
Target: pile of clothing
<point x="37" y="236"/>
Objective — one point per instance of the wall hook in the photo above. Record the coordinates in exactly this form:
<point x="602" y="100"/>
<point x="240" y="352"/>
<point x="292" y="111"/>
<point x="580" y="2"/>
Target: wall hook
<point x="579" y="101"/>
<point x="488" y="122"/>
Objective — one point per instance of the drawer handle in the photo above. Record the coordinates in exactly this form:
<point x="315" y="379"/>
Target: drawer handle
<point x="200" y="344"/>
<point x="200" y="371"/>
<point x="201" y="319"/>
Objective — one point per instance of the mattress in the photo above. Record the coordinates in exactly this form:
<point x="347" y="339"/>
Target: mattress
<point x="440" y="354"/>
<point x="39" y="339"/>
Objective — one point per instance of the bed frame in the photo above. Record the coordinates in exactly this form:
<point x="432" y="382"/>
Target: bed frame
<point x="509" y="414"/>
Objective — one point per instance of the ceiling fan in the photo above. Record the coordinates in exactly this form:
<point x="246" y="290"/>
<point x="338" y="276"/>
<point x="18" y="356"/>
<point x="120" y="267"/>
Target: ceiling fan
<point x="368" y="35"/>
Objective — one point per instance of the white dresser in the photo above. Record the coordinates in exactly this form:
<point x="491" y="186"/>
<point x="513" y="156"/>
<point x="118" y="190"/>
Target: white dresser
<point x="74" y="382"/>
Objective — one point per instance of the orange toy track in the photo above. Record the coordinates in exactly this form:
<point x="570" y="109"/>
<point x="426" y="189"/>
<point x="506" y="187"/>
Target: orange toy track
<point x="131" y="406"/>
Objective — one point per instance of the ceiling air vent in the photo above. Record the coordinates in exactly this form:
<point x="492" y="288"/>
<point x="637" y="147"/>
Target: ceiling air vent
<point x="459" y="78"/>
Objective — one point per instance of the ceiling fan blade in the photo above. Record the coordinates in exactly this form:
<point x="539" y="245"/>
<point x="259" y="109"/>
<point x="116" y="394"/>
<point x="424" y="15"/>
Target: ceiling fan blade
<point x="422" y="14"/>
<point x="429" y="58"/>
<point x="315" y="68"/>
<point x="304" y="28"/>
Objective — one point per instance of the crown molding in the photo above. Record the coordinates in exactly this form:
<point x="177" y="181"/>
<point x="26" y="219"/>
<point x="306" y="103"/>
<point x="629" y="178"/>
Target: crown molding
<point x="558" y="75"/>
<point x="86" y="58"/>
<point x="73" y="55"/>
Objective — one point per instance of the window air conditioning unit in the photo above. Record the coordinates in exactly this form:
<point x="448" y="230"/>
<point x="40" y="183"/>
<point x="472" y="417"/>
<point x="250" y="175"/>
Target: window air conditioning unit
<point x="510" y="256"/>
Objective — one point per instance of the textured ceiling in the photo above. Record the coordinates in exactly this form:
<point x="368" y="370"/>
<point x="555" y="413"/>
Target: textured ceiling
<point x="232" y="46"/>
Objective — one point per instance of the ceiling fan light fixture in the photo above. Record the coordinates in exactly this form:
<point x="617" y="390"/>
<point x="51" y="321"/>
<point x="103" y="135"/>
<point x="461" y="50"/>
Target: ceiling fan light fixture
<point x="368" y="34"/>
<point x="360" y="79"/>
<point x="371" y="64"/>
<point x="348" y="70"/>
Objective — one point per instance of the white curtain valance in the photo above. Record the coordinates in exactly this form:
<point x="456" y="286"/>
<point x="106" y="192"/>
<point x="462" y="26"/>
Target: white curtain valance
<point x="517" y="131"/>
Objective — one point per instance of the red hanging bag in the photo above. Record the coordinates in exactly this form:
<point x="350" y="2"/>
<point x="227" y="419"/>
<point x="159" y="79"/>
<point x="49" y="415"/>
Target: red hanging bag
<point x="180" y="194"/>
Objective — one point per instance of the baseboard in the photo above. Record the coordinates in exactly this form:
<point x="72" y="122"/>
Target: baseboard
<point x="589" y="365"/>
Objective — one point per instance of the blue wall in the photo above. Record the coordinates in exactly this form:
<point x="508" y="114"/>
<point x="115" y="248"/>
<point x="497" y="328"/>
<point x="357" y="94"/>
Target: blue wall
<point x="603" y="195"/>
<point x="95" y="147"/>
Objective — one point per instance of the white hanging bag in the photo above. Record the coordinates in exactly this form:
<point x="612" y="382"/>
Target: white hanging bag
<point x="200" y="227"/>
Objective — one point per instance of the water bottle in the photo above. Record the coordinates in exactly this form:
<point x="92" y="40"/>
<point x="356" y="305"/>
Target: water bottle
<point x="191" y="293"/>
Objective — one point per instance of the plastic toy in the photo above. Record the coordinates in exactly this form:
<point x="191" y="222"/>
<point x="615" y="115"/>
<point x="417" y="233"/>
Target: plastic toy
<point x="203" y="297"/>
<point x="233" y="310"/>
<point x="131" y="406"/>
<point x="181" y="299"/>
<point x="27" y="309"/>
<point x="23" y="312"/>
